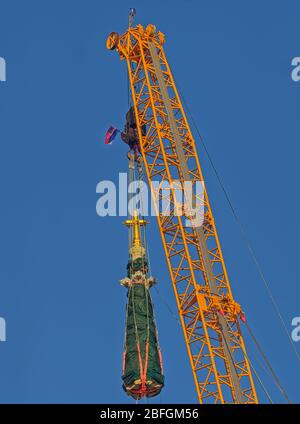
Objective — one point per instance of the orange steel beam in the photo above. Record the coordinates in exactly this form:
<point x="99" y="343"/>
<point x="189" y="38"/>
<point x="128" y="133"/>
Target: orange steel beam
<point x="208" y="313"/>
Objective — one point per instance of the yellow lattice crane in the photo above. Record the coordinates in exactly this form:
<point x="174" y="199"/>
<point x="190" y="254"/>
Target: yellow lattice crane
<point x="208" y="312"/>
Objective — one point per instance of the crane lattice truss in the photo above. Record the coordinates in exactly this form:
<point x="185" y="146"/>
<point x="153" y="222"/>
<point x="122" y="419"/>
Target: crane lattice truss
<point x="208" y="312"/>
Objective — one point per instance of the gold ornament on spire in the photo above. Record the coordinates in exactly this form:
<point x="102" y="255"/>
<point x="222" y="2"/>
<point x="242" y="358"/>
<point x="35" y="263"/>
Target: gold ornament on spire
<point x="137" y="250"/>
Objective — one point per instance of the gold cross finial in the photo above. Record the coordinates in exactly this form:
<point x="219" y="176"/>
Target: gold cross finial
<point x="136" y="223"/>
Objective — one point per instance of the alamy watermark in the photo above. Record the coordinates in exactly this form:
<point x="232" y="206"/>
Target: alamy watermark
<point x="2" y="330"/>
<point x="2" y="79"/>
<point x="178" y="199"/>
<point x="2" y="69"/>
<point x="295" y="74"/>
<point x="296" y="330"/>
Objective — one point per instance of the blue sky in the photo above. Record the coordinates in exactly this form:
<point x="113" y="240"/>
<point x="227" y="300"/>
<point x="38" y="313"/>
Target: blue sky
<point x="61" y="263"/>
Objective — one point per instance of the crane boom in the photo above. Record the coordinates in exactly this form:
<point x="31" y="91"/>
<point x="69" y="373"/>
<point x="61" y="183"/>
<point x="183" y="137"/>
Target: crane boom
<point x="208" y="312"/>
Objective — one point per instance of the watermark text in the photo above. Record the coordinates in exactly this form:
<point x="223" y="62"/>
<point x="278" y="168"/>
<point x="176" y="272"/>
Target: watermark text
<point x="2" y="69"/>
<point x="295" y="74"/>
<point x="162" y="198"/>
<point x="296" y="330"/>
<point x="2" y="330"/>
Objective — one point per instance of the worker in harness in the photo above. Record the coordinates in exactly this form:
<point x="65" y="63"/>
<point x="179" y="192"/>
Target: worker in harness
<point x="130" y="135"/>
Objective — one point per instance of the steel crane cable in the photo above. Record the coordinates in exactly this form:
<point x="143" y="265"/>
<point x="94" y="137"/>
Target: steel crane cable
<point x="276" y="379"/>
<point x="243" y="233"/>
